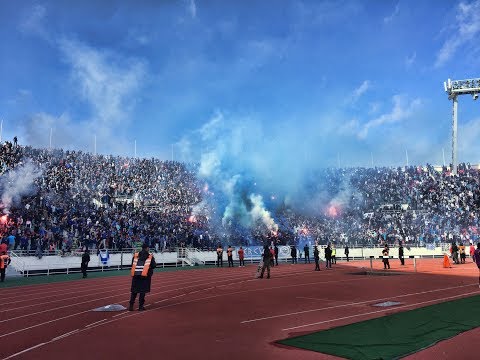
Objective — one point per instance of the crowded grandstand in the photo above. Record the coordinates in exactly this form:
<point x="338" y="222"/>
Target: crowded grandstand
<point x="57" y="201"/>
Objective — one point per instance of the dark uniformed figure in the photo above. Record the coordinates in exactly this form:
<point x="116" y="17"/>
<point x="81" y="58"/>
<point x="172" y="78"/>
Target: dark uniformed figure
<point x="385" y="254"/>
<point x="316" y="256"/>
<point x="306" y="249"/>
<point x="219" y="256"/>
<point x="400" y="255"/>
<point x="276" y="254"/>
<point x="347" y="251"/>
<point x="4" y="262"/>
<point x="293" y="254"/>
<point x="230" y="256"/>
<point x="85" y="261"/>
<point x="143" y="264"/>
<point x="267" y="257"/>
<point x="328" y="257"/>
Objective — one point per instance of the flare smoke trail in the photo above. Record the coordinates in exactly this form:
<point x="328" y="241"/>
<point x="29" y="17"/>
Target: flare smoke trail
<point x="17" y="183"/>
<point x="249" y="173"/>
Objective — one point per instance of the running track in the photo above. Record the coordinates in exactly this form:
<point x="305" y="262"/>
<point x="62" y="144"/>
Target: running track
<point x="220" y="313"/>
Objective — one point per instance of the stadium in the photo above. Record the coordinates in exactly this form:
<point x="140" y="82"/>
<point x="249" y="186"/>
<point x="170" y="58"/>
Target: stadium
<point x="291" y="224"/>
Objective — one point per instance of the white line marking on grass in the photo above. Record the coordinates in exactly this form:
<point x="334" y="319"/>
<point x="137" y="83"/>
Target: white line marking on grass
<point x="350" y="304"/>
<point x="379" y="311"/>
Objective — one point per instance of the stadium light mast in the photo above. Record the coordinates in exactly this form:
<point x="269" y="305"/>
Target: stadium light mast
<point x="454" y="88"/>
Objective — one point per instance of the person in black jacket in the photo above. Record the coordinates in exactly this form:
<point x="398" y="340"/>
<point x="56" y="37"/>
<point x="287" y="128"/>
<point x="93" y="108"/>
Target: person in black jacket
<point x="400" y="254"/>
<point x="143" y="264"/>
<point x="276" y="254"/>
<point x="293" y="254"/>
<point x="347" y="252"/>
<point x="85" y="261"/>
<point x="316" y="256"/>
<point x="267" y="257"/>
<point x="306" y="250"/>
<point x="328" y="257"/>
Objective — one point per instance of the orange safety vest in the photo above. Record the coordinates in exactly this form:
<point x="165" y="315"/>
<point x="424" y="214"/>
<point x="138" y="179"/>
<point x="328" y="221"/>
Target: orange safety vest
<point x="140" y="267"/>
<point x="3" y="261"/>
<point x="229" y="251"/>
<point x="240" y="253"/>
<point x="219" y="251"/>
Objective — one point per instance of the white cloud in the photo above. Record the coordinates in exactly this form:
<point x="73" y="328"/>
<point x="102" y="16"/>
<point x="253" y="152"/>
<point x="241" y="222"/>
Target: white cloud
<point x="33" y="21"/>
<point x="388" y="19"/>
<point x="192" y="8"/>
<point x="468" y="145"/>
<point x="464" y="31"/>
<point x="105" y="81"/>
<point x="362" y="89"/>
<point x="409" y="60"/>
<point x="401" y="110"/>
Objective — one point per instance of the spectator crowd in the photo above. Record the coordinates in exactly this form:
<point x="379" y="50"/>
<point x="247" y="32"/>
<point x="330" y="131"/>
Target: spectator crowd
<point x="98" y="201"/>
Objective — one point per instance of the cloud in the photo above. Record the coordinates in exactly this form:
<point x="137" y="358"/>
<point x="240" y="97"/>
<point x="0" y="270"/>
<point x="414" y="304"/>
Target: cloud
<point x="359" y="91"/>
<point x="401" y="110"/>
<point x="192" y="8"/>
<point x="468" y="146"/>
<point x="105" y="79"/>
<point x="388" y="19"/>
<point x="464" y="31"/>
<point x="409" y="60"/>
<point x="33" y="21"/>
<point x="107" y="83"/>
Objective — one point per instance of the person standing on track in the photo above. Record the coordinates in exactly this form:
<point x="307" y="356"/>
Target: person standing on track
<point x="143" y="264"/>
<point x="347" y="251"/>
<point x="85" y="261"/>
<point x="461" y="250"/>
<point x="476" y="258"/>
<point x="385" y="255"/>
<point x="306" y="250"/>
<point x="219" y="256"/>
<point x="4" y="262"/>
<point x="400" y="254"/>
<point x="328" y="257"/>
<point x="267" y="255"/>
<point x="230" y="256"/>
<point x="241" y="256"/>
<point x="316" y="256"/>
<point x="334" y="254"/>
<point x="276" y="254"/>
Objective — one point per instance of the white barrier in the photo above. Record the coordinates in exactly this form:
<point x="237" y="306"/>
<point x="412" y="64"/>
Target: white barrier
<point x="29" y="265"/>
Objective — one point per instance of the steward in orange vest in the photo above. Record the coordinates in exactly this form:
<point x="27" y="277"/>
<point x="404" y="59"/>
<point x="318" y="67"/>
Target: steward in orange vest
<point x="4" y="262"/>
<point x="143" y="264"/>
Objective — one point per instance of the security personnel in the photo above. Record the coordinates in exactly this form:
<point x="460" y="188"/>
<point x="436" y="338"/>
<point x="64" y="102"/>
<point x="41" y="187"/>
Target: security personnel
<point x="85" y="261"/>
<point x="316" y="256"/>
<point x="143" y="264"/>
<point x="4" y="262"/>
<point x="230" y="256"/>
<point x="219" y="255"/>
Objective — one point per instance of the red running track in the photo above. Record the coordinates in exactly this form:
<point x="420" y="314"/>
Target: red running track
<point x="218" y="313"/>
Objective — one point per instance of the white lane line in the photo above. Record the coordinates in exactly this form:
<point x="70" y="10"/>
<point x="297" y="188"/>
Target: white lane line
<point x="218" y="279"/>
<point x="64" y="335"/>
<point x="380" y="311"/>
<point x="352" y="303"/>
<point x="319" y="299"/>
<point x="24" y="351"/>
<point x="96" y="322"/>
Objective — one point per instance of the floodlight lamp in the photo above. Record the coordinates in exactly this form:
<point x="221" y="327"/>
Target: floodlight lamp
<point x="445" y="86"/>
<point x="475" y="96"/>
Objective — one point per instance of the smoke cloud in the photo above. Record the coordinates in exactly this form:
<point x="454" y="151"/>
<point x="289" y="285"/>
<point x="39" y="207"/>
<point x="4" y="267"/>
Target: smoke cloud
<point x="251" y="172"/>
<point x="17" y="183"/>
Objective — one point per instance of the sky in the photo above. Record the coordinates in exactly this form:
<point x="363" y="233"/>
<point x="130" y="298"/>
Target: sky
<point x="349" y="83"/>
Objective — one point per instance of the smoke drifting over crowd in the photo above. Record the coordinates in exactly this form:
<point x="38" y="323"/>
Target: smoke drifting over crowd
<point x="18" y="183"/>
<point x="250" y="173"/>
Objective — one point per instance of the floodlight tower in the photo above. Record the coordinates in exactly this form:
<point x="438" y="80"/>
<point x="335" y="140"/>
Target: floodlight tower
<point x="453" y="89"/>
